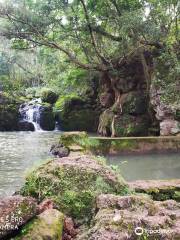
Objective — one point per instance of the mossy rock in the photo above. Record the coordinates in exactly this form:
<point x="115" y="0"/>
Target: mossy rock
<point x="49" y="96"/>
<point x="77" y="114"/>
<point x="80" y="120"/>
<point x="73" y="183"/>
<point x="136" y="103"/>
<point x="127" y="125"/>
<point x="47" y="225"/>
<point x="47" y="118"/>
<point x="15" y="211"/>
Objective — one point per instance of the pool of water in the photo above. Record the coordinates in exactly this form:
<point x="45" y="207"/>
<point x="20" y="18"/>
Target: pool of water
<point x="148" y="166"/>
<point x="19" y="152"/>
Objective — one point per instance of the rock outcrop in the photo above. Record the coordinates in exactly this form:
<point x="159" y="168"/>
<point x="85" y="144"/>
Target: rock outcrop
<point x="14" y="212"/>
<point x="158" y="189"/>
<point x="134" y="217"/>
<point x="166" y="114"/>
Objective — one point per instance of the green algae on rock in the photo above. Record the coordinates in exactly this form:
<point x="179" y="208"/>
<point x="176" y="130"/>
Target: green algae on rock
<point x="47" y="225"/>
<point x="73" y="183"/>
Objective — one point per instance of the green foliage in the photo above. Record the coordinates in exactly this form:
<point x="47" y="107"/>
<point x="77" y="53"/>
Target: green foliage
<point x="166" y="76"/>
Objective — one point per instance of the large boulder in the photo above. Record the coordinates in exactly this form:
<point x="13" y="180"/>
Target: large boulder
<point x="14" y="212"/>
<point x="59" y="150"/>
<point x="25" y="126"/>
<point x="47" y="118"/>
<point x="73" y="183"/>
<point x="133" y="217"/>
<point x="49" y="96"/>
<point x="47" y="225"/>
<point x="78" y="114"/>
<point x="169" y="127"/>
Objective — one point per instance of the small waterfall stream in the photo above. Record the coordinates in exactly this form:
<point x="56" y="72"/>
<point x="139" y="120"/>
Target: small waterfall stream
<point x="30" y="112"/>
<point x="38" y="116"/>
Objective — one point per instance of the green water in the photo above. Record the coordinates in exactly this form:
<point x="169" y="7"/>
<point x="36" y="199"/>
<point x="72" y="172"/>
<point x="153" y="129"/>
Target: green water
<point x="19" y="152"/>
<point x="148" y="166"/>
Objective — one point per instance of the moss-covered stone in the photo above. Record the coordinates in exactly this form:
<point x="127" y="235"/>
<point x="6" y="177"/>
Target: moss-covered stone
<point x="135" y="103"/>
<point x="159" y="190"/>
<point x="73" y="183"/>
<point x="77" y="114"/>
<point x="49" y="96"/>
<point x="47" y="118"/>
<point x="127" y="125"/>
<point x="47" y="225"/>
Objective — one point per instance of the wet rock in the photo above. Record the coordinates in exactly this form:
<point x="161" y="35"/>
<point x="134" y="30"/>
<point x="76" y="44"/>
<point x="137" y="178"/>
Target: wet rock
<point x="25" y="126"/>
<point x="120" y="218"/>
<point x="47" y="118"/>
<point x="47" y="225"/>
<point x="14" y="212"/>
<point x="59" y="150"/>
<point x="73" y="183"/>
<point x="158" y="189"/>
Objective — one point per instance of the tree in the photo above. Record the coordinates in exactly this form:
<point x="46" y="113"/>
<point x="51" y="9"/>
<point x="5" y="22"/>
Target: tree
<point x="96" y="35"/>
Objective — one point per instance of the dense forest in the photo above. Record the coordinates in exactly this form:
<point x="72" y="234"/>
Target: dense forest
<point x="116" y="60"/>
<point x="89" y="120"/>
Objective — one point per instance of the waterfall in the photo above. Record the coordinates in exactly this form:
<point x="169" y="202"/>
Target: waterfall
<point x="30" y="113"/>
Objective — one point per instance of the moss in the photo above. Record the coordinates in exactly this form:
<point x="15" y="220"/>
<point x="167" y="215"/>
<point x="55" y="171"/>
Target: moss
<point x="77" y="113"/>
<point x="73" y="188"/>
<point x="128" y="125"/>
<point x="135" y="103"/>
<point x="49" y="96"/>
<point x="45" y="226"/>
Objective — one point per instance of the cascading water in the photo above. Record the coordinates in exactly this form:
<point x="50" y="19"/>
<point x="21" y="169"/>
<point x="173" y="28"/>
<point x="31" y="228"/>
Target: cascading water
<point x="30" y="113"/>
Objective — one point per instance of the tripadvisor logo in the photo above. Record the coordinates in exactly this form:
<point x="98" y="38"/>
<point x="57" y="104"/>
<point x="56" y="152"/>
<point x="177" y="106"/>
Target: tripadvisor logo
<point x="140" y="231"/>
